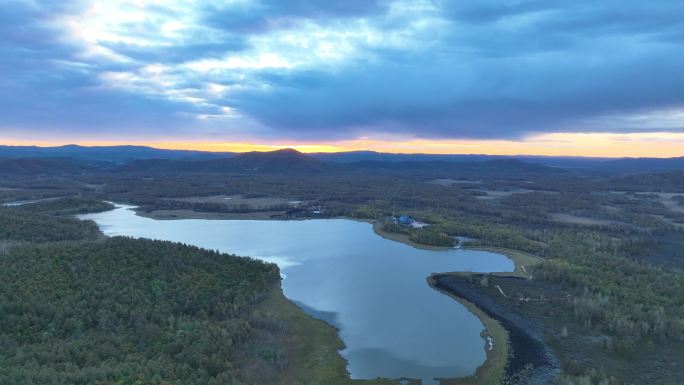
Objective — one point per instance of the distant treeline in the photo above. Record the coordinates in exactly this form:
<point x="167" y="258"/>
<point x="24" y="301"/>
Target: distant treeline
<point x="172" y="204"/>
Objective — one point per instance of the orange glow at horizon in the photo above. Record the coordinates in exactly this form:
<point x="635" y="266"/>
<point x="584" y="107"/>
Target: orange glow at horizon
<point x="655" y="144"/>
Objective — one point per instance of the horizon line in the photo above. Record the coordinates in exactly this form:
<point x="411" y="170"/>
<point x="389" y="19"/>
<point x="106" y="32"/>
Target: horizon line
<point x="302" y="149"/>
<point x="560" y="144"/>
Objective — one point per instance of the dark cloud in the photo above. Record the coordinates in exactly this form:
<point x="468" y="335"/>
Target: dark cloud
<point x="266" y="15"/>
<point x="73" y="102"/>
<point x="180" y="53"/>
<point x="510" y="71"/>
<point x="25" y="36"/>
<point x="487" y="11"/>
<point x="486" y="69"/>
<point x="500" y="98"/>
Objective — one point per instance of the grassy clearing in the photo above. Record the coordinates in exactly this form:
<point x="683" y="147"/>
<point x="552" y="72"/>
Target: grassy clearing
<point x="520" y="259"/>
<point x="668" y="201"/>
<point x="498" y="194"/>
<point x="403" y="238"/>
<point x="577" y="220"/>
<point x="237" y="200"/>
<point x="449" y="182"/>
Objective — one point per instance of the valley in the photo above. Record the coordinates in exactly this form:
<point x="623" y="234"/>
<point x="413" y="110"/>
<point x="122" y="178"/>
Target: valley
<point x="587" y="251"/>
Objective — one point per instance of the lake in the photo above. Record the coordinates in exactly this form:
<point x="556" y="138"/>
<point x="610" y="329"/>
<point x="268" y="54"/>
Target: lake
<point x="372" y="289"/>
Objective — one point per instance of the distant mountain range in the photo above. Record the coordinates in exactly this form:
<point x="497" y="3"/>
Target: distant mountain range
<point x="279" y="161"/>
<point x="74" y="158"/>
<point x="113" y="154"/>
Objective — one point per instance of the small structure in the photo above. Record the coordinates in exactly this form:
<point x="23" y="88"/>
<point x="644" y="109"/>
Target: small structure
<point x="418" y="224"/>
<point x="405" y="220"/>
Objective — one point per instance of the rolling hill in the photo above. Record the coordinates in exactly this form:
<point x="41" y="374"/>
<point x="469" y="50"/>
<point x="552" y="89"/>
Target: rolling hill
<point x="279" y="161"/>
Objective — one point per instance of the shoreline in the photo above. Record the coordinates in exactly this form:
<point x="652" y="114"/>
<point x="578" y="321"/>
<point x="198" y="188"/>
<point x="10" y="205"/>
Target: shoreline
<point x="273" y="216"/>
<point x="403" y="238"/>
<point x="170" y="215"/>
<point x="495" y="366"/>
<point x="525" y="335"/>
<point x="521" y="260"/>
<point x="493" y="369"/>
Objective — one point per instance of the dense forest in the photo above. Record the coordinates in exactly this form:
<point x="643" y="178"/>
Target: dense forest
<point x="79" y="309"/>
<point x="101" y="312"/>
<point x="612" y="244"/>
<point x="16" y="225"/>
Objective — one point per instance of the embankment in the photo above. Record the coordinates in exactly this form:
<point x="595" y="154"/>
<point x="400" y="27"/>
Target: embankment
<point x="526" y="336"/>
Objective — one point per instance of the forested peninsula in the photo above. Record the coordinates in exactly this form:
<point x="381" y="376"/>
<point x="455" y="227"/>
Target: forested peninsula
<point x="79" y="308"/>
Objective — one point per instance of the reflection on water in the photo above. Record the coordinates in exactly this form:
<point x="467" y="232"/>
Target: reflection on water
<point x="372" y="289"/>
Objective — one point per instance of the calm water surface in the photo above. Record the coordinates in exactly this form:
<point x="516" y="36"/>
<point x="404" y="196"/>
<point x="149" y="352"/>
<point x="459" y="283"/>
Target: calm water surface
<point x="372" y="289"/>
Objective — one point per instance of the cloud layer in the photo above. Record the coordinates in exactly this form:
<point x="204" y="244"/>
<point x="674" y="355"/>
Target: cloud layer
<point x="317" y="71"/>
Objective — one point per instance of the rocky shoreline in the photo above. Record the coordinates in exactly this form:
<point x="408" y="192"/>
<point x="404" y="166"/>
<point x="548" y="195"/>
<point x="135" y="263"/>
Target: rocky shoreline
<point x="526" y="336"/>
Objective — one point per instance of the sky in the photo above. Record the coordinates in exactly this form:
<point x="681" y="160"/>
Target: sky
<point x="593" y="78"/>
